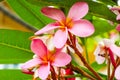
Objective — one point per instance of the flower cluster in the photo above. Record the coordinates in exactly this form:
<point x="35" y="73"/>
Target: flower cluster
<point x="44" y="59"/>
<point x="49" y="53"/>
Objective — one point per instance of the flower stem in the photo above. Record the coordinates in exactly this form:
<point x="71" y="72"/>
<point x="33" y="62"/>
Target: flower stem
<point x="108" y="71"/>
<point x="86" y="64"/>
<point x="72" y="45"/>
<point x="59" y="69"/>
<point x="82" y="72"/>
<point x="113" y="72"/>
<point x="72" y="67"/>
<point x="112" y="75"/>
<point x="53" y="74"/>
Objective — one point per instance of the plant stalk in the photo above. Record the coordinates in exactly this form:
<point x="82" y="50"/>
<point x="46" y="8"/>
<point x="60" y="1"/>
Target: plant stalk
<point x="108" y="71"/>
<point x="73" y="45"/>
<point x="86" y="64"/>
<point x="82" y="72"/>
<point x="53" y="74"/>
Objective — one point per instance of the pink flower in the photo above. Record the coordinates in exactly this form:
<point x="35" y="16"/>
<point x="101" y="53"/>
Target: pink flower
<point x="117" y="73"/>
<point x="44" y="59"/>
<point x="116" y="10"/>
<point x="72" y="23"/>
<point x="107" y="46"/>
<point x="118" y="27"/>
<point x="69" y="72"/>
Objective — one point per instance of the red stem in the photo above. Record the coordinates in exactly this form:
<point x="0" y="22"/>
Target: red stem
<point x="81" y="56"/>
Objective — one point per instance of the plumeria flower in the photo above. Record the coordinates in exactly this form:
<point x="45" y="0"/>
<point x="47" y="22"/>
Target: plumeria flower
<point x="106" y="48"/>
<point x="116" y="10"/>
<point x="44" y="59"/>
<point x="117" y="73"/>
<point x="118" y="28"/>
<point x="72" y="23"/>
<point x="69" y="72"/>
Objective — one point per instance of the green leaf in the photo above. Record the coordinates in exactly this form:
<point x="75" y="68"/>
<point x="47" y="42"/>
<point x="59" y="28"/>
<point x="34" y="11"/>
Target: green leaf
<point x="29" y="13"/>
<point x="101" y="10"/>
<point x="14" y="46"/>
<point x="117" y="43"/>
<point x="107" y="2"/>
<point x="102" y="26"/>
<point x="96" y="9"/>
<point x="13" y="74"/>
<point x="97" y="66"/>
<point x="59" y="3"/>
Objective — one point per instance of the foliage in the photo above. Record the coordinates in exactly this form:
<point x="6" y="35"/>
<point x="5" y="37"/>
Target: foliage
<point x="15" y="45"/>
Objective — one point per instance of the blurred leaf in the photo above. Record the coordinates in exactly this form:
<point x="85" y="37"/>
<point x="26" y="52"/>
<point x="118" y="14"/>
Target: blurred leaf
<point x="1" y="0"/>
<point x="97" y="66"/>
<point x="59" y="3"/>
<point x="14" y="75"/>
<point x="29" y="13"/>
<point x="14" y="46"/>
<point x="102" y="26"/>
<point x="96" y="9"/>
<point x="117" y="43"/>
<point x="101" y="10"/>
<point x="107" y="2"/>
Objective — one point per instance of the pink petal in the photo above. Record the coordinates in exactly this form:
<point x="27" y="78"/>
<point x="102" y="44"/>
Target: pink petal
<point x="118" y="17"/>
<point x="61" y="59"/>
<point x="118" y="27"/>
<point x="53" y="13"/>
<point x="49" y="44"/>
<point x="115" y="8"/>
<point x="82" y="28"/>
<point x="99" y="59"/>
<point x="108" y="42"/>
<point x="30" y="64"/>
<point x="36" y="73"/>
<point x="97" y="50"/>
<point x="60" y="38"/>
<point x="115" y="49"/>
<point x="117" y="73"/>
<point x="47" y="28"/>
<point x="44" y="71"/>
<point x="79" y="47"/>
<point x="38" y="47"/>
<point x="78" y="10"/>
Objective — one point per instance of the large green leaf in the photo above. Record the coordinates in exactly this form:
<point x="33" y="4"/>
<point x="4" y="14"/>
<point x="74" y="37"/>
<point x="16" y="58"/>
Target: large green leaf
<point x="14" y="46"/>
<point x="96" y="9"/>
<point x="102" y="26"/>
<point x="107" y="2"/>
<point x="29" y="13"/>
<point x="14" y="75"/>
<point x="101" y="10"/>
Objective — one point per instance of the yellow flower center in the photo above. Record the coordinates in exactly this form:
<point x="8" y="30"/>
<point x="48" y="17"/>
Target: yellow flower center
<point x="68" y="23"/>
<point x="49" y="57"/>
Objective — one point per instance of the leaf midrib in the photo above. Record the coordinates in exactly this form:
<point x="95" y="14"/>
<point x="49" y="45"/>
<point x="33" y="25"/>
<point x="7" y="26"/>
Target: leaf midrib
<point x="16" y="47"/>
